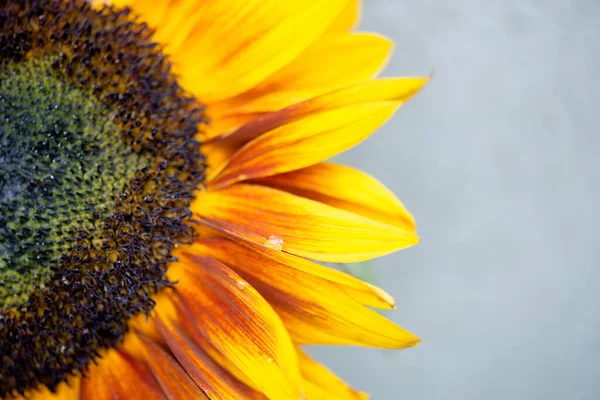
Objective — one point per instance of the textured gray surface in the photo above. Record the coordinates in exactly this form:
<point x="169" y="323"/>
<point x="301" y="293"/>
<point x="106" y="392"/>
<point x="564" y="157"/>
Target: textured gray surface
<point x="497" y="159"/>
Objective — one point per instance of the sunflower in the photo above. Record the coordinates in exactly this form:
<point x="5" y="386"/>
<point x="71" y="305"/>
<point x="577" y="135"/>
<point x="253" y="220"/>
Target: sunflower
<point x="166" y="208"/>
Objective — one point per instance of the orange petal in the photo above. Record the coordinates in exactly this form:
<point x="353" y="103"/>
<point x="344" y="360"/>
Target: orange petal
<point x="346" y="188"/>
<point x="342" y="59"/>
<point x="189" y="327"/>
<point x="397" y="90"/>
<point x="170" y="310"/>
<point x="213" y="379"/>
<point x="65" y="391"/>
<point x="315" y="310"/>
<point x="348" y="19"/>
<point x="224" y="124"/>
<point x="173" y="379"/>
<point x="240" y="324"/>
<point x="322" y="384"/>
<point x="291" y="273"/>
<point x="235" y="45"/>
<point x="306" y="142"/>
<point x="218" y="155"/>
<point x="120" y="377"/>
<point x="276" y="219"/>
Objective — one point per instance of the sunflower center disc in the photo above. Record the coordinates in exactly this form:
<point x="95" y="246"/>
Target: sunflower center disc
<point x="61" y="161"/>
<point x="98" y="166"/>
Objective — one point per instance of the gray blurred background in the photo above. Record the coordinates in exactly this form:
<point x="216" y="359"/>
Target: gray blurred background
<point x="497" y="160"/>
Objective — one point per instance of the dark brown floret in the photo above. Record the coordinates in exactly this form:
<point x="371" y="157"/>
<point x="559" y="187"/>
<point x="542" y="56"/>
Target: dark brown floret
<point x="113" y="258"/>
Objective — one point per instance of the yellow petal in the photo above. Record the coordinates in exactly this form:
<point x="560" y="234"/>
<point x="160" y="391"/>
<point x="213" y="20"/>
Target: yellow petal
<point x="224" y="124"/>
<point x="172" y="21"/>
<point x="397" y="90"/>
<point x="240" y="324"/>
<point x="348" y="19"/>
<point x="313" y="324"/>
<point x="276" y="219"/>
<point x="306" y="142"/>
<point x="346" y="188"/>
<point x="315" y="310"/>
<point x="65" y="391"/>
<point x="291" y="273"/>
<point x="217" y="155"/>
<point x="235" y="45"/>
<point x="342" y="60"/>
<point x="215" y="381"/>
<point x="322" y="384"/>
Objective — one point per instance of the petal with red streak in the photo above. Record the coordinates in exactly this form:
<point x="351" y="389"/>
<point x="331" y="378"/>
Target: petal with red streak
<point x="381" y="90"/>
<point x="280" y="220"/>
<point x="240" y="324"/>
<point x="216" y="382"/>
<point x="306" y="142"/>
<point x="345" y="188"/>
<point x="120" y="377"/>
<point x="315" y="310"/>
<point x="173" y="379"/>
<point x="290" y="273"/>
<point x="237" y="44"/>
<point x="343" y="59"/>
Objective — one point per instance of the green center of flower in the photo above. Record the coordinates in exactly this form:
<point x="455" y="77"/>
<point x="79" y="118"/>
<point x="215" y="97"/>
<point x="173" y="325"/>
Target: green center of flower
<point x="98" y="166"/>
<point x="61" y="162"/>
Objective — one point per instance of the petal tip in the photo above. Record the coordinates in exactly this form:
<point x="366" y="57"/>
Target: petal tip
<point x="416" y="341"/>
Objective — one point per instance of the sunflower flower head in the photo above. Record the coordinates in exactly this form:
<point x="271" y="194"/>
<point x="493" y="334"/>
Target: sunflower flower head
<point x="165" y="200"/>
